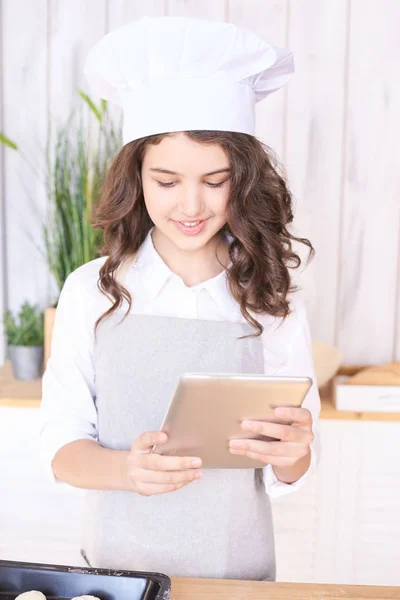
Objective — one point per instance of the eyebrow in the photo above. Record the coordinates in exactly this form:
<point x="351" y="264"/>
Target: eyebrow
<point x="168" y="172"/>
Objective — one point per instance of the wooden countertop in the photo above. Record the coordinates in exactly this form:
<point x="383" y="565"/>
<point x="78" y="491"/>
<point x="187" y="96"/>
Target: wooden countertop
<point x="27" y="394"/>
<point x="210" y="589"/>
<point x="14" y="393"/>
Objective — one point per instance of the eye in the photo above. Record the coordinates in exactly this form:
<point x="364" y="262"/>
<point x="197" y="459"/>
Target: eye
<point x="172" y="183"/>
<point x="216" y="185"/>
<point x="162" y="184"/>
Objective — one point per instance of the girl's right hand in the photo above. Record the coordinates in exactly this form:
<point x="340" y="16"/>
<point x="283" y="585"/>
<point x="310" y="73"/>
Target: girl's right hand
<point x="150" y="474"/>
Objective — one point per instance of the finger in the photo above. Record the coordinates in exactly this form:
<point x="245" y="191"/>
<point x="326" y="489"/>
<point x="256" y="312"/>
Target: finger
<point x="276" y="461"/>
<point x="288" y="449"/>
<point x="152" y="489"/>
<point x="157" y="462"/>
<point x="149" y="439"/>
<point x="298" y="416"/>
<point x="286" y="433"/>
<point x="168" y="477"/>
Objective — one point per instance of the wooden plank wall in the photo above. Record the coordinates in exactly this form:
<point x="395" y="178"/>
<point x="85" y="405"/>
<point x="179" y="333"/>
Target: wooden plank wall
<point x="334" y="127"/>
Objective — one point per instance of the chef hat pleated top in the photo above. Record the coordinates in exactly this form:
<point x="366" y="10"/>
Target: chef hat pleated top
<point x="179" y="74"/>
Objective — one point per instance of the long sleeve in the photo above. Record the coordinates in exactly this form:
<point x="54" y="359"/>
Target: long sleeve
<point x="295" y="336"/>
<point x="68" y="409"/>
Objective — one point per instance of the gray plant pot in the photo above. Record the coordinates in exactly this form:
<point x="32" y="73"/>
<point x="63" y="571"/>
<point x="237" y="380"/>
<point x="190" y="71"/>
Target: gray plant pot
<point x="26" y="361"/>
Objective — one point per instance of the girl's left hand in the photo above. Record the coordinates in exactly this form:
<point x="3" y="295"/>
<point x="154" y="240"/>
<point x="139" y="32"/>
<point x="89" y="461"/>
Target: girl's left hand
<point x="294" y="444"/>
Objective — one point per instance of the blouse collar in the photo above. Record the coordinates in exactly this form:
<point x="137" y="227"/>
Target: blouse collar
<point x="156" y="274"/>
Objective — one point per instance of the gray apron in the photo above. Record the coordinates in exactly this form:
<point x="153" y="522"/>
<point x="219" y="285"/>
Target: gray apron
<point x="217" y="527"/>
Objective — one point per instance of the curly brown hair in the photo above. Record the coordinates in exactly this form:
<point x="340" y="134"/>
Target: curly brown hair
<point x="258" y="215"/>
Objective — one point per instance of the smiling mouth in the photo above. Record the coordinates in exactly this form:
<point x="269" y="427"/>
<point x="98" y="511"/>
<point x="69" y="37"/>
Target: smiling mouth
<point x="190" y="223"/>
<point x="191" y="227"/>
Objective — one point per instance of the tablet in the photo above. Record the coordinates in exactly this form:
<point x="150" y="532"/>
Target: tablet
<point x="207" y="409"/>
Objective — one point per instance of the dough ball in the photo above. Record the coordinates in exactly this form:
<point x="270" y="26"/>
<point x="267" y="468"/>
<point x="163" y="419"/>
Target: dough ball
<point x="33" y="595"/>
<point x="80" y="598"/>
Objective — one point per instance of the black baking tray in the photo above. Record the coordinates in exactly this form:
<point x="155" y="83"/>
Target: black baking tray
<point x="58" y="582"/>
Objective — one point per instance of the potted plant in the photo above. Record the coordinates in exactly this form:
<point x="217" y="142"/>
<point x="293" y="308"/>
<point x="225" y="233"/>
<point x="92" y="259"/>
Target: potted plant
<point x="25" y="336"/>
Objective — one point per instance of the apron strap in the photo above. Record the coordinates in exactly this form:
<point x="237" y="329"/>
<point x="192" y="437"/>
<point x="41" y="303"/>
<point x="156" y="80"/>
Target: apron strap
<point x="125" y="267"/>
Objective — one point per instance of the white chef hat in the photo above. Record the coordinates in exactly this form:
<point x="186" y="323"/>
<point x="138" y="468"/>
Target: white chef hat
<point x="179" y="74"/>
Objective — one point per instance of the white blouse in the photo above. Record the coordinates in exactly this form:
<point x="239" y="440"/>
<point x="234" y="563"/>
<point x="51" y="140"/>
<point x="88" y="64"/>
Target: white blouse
<point x="68" y="410"/>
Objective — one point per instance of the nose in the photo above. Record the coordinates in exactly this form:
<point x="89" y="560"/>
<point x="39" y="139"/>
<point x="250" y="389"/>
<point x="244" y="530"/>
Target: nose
<point x="191" y="202"/>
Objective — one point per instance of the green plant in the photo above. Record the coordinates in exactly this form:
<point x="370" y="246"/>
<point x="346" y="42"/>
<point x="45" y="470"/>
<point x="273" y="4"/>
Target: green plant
<point x="82" y="155"/>
<point x="7" y="142"/>
<point x="25" y="328"/>
<point x="77" y="162"/>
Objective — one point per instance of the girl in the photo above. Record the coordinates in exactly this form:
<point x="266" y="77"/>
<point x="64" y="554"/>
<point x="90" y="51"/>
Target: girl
<point x="195" y="277"/>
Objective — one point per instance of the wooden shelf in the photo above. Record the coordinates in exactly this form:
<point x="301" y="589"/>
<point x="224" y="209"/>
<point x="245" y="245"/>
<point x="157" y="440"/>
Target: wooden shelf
<point x="27" y="394"/>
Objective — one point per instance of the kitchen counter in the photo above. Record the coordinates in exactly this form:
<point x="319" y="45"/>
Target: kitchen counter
<point x="14" y="393"/>
<point x="27" y="394"/>
<point x="210" y="589"/>
<point x="311" y="545"/>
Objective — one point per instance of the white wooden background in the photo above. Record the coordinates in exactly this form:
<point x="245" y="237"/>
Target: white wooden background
<point x="335" y="128"/>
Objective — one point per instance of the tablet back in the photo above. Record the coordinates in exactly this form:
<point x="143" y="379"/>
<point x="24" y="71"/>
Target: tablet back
<point x="206" y="412"/>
